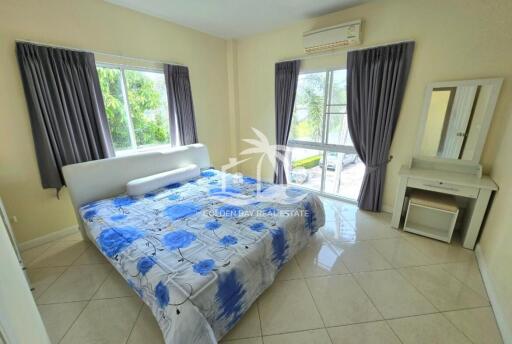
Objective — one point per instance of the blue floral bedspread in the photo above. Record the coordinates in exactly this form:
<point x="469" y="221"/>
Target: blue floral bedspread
<point x="199" y="253"/>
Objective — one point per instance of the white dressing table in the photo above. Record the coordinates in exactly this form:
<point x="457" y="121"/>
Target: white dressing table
<point x="456" y="179"/>
<point x="453" y="129"/>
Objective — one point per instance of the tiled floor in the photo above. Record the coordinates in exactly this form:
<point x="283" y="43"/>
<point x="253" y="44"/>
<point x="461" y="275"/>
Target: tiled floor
<point x="358" y="281"/>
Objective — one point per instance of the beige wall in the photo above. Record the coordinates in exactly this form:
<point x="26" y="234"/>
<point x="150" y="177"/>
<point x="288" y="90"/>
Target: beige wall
<point x="496" y="239"/>
<point x="455" y="39"/>
<point x="94" y="25"/>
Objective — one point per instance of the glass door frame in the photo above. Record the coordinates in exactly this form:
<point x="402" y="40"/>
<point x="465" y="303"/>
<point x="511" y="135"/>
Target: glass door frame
<point x="324" y="146"/>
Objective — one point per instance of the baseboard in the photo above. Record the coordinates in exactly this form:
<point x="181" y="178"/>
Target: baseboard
<point x="387" y="209"/>
<point x="504" y="327"/>
<point x="48" y="237"/>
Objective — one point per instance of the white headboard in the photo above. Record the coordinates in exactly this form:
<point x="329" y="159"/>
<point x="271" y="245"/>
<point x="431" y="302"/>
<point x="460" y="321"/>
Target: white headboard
<point x="100" y="179"/>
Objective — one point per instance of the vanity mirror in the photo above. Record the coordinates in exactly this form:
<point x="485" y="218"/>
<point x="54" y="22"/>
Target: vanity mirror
<point x="456" y="117"/>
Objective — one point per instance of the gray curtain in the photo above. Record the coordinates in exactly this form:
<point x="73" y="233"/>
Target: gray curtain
<point x="286" y="77"/>
<point x="181" y="107"/>
<point x="376" y="80"/>
<point x="66" y="109"/>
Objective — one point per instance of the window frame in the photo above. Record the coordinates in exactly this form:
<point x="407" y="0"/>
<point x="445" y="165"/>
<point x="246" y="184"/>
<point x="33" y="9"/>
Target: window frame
<point x="324" y="146"/>
<point x="134" y="149"/>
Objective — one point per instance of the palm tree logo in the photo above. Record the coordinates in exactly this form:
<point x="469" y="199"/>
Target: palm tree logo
<point x="262" y="146"/>
<point x="233" y="162"/>
<point x="271" y="193"/>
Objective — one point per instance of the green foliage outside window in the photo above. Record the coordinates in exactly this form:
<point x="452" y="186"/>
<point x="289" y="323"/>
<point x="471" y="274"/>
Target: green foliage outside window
<point x="110" y="82"/>
<point x="146" y="100"/>
<point x="309" y="162"/>
<point x="307" y="121"/>
<point x="310" y="96"/>
<point x="147" y="104"/>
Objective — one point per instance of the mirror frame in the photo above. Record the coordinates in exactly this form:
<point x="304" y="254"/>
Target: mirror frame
<point x="489" y="113"/>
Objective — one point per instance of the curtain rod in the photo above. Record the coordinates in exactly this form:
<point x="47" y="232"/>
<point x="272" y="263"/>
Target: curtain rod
<point x="97" y="52"/>
<point x="340" y="52"/>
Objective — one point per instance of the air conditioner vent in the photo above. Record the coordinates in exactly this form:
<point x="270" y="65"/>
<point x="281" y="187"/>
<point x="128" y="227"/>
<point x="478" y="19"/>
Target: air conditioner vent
<point x="333" y="37"/>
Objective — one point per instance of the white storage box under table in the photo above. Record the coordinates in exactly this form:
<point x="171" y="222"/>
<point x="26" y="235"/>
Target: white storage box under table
<point x="458" y="178"/>
<point x="432" y="215"/>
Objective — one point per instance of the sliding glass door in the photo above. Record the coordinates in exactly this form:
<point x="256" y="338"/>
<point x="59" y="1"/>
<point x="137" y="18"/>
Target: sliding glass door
<point x="321" y="156"/>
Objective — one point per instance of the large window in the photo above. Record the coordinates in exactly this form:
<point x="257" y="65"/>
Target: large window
<point x="321" y="155"/>
<point x="136" y="107"/>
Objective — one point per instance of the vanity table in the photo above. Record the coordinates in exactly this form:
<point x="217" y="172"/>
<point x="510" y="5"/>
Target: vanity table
<point x="442" y="178"/>
<point x="456" y="118"/>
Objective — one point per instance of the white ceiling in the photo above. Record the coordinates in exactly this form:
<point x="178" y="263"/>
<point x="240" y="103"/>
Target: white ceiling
<point x="235" y="18"/>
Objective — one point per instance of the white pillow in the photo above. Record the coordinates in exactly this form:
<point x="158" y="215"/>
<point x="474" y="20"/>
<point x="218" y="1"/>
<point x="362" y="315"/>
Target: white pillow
<point x="144" y="185"/>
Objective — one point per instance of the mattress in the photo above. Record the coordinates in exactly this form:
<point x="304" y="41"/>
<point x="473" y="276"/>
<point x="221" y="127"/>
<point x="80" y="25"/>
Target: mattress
<point x="200" y="252"/>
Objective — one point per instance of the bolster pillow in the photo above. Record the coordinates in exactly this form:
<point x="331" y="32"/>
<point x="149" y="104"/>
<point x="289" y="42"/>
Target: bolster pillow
<point x="140" y="186"/>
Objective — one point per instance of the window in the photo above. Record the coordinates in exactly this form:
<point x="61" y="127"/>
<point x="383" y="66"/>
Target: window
<point x="136" y="107"/>
<point x="321" y="155"/>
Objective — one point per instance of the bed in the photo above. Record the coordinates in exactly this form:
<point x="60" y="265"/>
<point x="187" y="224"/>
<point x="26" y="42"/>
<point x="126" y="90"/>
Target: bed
<point x="198" y="252"/>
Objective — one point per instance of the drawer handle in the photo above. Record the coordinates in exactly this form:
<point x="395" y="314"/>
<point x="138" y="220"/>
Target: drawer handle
<point x="442" y="187"/>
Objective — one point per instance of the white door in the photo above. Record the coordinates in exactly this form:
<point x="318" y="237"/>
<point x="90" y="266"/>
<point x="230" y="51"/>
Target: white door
<point x="20" y="321"/>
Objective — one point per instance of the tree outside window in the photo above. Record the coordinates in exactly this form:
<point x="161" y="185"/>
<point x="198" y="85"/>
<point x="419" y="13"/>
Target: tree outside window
<point x="136" y="107"/>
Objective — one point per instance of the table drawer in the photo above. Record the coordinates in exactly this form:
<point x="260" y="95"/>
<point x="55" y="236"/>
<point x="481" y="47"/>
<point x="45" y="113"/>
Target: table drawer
<point x="440" y="186"/>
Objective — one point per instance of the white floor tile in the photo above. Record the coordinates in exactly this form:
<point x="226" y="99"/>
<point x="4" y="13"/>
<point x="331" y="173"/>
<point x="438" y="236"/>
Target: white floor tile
<point x="321" y="258"/>
<point x="287" y="306"/>
<point x="91" y="256"/>
<point x="290" y="271"/>
<point x="257" y="340"/>
<point x="440" y="252"/>
<point x="248" y="327"/>
<point x="42" y="278"/>
<point x="367" y="333"/>
<point x="146" y="329"/>
<point x="60" y="254"/>
<point x="340" y="231"/>
<point x="335" y="211"/>
<point x="393" y="296"/>
<point x="370" y="225"/>
<point x="441" y="289"/>
<point x="31" y="254"/>
<point x="319" y="336"/>
<point x="104" y="321"/>
<point x="341" y="301"/>
<point x="59" y="317"/>
<point x="400" y="253"/>
<point x="114" y="286"/>
<point x="427" y="329"/>
<point x="469" y="274"/>
<point x="361" y="256"/>
<point x="478" y="324"/>
<point x="77" y="283"/>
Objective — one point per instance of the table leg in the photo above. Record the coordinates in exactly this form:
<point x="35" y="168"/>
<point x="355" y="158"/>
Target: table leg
<point x="477" y="217"/>
<point x="399" y="202"/>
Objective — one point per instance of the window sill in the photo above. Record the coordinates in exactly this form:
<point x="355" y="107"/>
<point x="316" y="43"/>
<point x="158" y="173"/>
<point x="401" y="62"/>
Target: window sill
<point x="152" y="149"/>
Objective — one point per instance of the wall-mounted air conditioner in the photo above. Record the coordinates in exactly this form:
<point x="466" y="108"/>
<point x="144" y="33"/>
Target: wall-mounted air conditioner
<point x="333" y="37"/>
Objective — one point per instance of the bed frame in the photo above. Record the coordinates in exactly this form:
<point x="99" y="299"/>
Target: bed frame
<point x="95" y="180"/>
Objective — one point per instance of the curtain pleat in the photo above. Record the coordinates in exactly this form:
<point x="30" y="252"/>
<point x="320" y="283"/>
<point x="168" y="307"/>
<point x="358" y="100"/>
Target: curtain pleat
<point x="286" y="78"/>
<point x="66" y="109"/>
<point x="181" y="107"/>
<point x="376" y="80"/>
